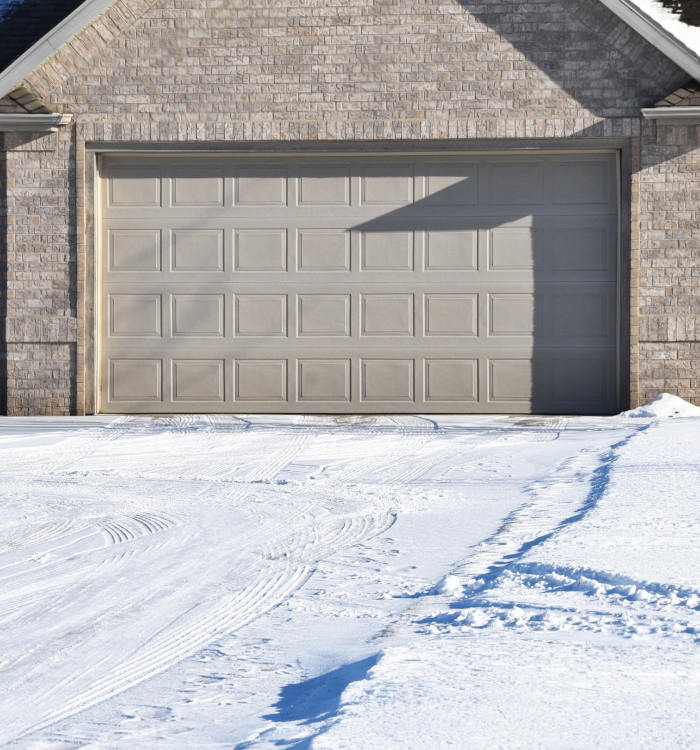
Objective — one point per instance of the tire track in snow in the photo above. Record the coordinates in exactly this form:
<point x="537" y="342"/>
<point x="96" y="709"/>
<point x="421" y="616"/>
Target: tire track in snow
<point x="284" y="567"/>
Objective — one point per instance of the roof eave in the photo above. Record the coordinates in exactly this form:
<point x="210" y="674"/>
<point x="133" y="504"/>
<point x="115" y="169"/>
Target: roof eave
<point x="673" y="115"/>
<point x="40" y="51"/>
<point x="653" y="32"/>
<point x="28" y="123"/>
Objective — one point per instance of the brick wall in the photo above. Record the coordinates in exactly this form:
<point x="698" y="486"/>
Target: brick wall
<point x="232" y="71"/>
<point x="669" y="289"/>
<point x="39" y="311"/>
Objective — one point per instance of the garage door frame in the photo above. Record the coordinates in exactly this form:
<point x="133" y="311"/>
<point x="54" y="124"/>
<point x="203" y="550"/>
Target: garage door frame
<point x="622" y="147"/>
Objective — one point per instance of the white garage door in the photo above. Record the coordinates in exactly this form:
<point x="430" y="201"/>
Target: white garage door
<point x="359" y="284"/>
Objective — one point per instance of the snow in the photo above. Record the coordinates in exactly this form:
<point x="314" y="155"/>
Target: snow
<point x="319" y="582"/>
<point x="688" y="35"/>
<point x="665" y="405"/>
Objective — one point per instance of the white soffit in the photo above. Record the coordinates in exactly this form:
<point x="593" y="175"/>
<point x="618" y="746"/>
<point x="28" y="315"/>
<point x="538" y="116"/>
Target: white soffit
<point x="673" y="115"/>
<point x="71" y="25"/>
<point x="656" y="34"/>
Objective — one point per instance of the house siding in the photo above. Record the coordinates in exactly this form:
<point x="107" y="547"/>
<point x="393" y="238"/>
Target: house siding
<point x="669" y="289"/>
<point x="186" y="73"/>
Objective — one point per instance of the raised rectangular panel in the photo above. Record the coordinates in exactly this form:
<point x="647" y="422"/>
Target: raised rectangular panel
<point x="198" y="186"/>
<point x="261" y="186"/>
<point x="451" y="250"/>
<point x="578" y="183"/>
<point x="134" y="187"/>
<point x="510" y="380"/>
<point x="324" y="186"/>
<point x="261" y="314"/>
<point x="387" y="315"/>
<point x="198" y="380"/>
<point x="324" y="380"/>
<point x="198" y="249"/>
<point x="134" y="315"/>
<point x="324" y="250"/>
<point x="134" y="250"/>
<point x="198" y="314"/>
<point x="324" y="314"/>
<point x="577" y="314"/>
<point x="451" y="380"/>
<point x="261" y="380"/>
<point x="451" y="184"/>
<point x="512" y="249"/>
<point x="135" y="380"/>
<point x="516" y="183"/>
<point x="581" y="249"/>
<point x="511" y="314"/>
<point x="261" y="250"/>
<point x="387" y="185"/>
<point x="451" y="315"/>
<point x="387" y="251"/>
<point x="580" y="380"/>
<point x="387" y="379"/>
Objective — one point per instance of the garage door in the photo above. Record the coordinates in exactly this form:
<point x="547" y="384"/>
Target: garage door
<point x="359" y="284"/>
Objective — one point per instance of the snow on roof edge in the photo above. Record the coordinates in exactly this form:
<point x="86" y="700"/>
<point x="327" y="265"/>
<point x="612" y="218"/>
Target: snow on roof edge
<point x="631" y="12"/>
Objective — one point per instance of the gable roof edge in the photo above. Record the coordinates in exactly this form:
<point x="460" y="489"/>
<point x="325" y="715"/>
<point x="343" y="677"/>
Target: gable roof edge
<point x="41" y="50"/>
<point x="84" y="14"/>
<point x="655" y="34"/>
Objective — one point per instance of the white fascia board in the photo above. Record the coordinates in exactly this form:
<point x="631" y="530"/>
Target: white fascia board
<point x="13" y="123"/>
<point x="71" y="25"/>
<point x="654" y="33"/>
<point x="673" y="115"/>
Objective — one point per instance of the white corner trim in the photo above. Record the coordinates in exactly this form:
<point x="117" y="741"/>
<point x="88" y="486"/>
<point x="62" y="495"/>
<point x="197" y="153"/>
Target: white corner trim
<point x="654" y="33"/>
<point x="32" y="123"/>
<point x="17" y="71"/>
<point x="673" y="115"/>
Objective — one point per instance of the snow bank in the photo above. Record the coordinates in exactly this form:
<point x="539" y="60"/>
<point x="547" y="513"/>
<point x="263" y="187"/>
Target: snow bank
<point x="688" y="35"/>
<point x="664" y="406"/>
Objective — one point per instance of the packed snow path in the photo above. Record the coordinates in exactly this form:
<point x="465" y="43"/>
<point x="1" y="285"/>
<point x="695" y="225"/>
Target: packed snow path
<point x="204" y="582"/>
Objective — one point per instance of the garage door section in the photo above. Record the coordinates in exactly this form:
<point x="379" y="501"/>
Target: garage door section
<point x="359" y="284"/>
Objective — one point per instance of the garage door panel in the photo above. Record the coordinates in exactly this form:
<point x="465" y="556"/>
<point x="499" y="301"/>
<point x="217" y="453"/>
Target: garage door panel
<point x="451" y="183"/>
<point x="261" y="315"/>
<point x="198" y="315"/>
<point x="359" y="284"/>
<point x="135" y="186"/>
<point x="261" y="380"/>
<point x="323" y="249"/>
<point x="451" y="250"/>
<point x="451" y="380"/>
<point x="197" y="250"/>
<point x="324" y="380"/>
<point x="263" y="249"/>
<point x="385" y="380"/>
<point x="323" y="314"/>
<point x="197" y="185"/>
<point x="198" y="380"/>
<point x="324" y="185"/>
<point x="387" y="315"/>
<point x="135" y="315"/>
<point x="388" y="184"/>
<point x="132" y="380"/>
<point x="576" y="182"/>
<point x="387" y="251"/>
<point x="516" y="183"/>
<point x="134" y="250"/>
<point x="261" y="186"/>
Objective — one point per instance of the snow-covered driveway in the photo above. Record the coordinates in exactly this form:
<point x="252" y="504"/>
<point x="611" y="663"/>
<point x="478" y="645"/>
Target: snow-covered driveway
<point x="295" y="582"/>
